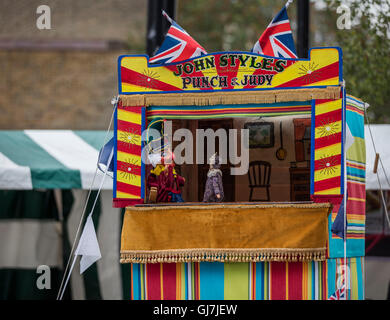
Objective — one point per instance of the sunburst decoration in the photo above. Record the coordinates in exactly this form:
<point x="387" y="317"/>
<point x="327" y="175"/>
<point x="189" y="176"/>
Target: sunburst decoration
<point x="327" y="164"/>
<point x="127" y="169"/>
<point x="328" y="128"/>
<point x="149" y="79"/>
<point x="310" y="72"/>
<point x="130" y="137"/>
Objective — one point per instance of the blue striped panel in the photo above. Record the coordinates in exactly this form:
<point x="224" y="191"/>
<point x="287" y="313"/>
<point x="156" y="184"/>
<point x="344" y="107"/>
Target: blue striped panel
<point x="136" y="278"/>
<point x="360" y="270"/>
<point x="211" y="280"/>
<point x="259" y="280"/>
<point x="356" y="172"/>
<point x="313" y="280"/>
<point x="186" y="279"/>
<point x="331" y="271"/>
<point x="355" y="124"/>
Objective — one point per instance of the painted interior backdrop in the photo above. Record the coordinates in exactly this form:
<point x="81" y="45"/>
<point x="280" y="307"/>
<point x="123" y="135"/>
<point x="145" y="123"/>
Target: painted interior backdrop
<point x="280" y="175"/>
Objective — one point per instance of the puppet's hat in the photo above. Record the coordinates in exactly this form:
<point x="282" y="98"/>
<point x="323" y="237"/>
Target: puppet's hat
<point x="214" y="160"/>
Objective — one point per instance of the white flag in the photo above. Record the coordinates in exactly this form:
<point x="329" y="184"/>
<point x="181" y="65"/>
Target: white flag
<point x="349" y="139"/>
<point x="88" y="247"/>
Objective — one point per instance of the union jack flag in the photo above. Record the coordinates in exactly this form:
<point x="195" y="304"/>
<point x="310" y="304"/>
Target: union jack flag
<point x="277" y="39"/>
<point x="177" y="46"/>
<point x="339" y="294"/>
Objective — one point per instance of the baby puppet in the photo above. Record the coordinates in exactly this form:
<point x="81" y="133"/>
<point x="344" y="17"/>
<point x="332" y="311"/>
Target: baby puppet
<point x="214" y="187"/>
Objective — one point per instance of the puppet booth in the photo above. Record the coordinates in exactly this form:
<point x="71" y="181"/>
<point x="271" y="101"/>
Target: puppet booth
<point x="276" y="233"/>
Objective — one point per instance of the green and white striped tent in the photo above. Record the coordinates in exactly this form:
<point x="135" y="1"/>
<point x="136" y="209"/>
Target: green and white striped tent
<point x="45" y="176"/>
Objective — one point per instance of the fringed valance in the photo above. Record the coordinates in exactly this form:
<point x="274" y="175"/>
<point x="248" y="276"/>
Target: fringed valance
<point x="225" y="233"/>
<point x="230" y="97"/>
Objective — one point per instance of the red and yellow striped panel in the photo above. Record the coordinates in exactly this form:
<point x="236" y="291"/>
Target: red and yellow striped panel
<point x="230" y="71"/>
<point x="328" y="146"/>
<point x="128" y="173"/>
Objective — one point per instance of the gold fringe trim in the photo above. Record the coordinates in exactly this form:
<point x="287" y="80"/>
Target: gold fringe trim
<point x="230" y="97"/>
<point x="232" y="206"/>
<point x="137" y="100"/>
<point x="223" y="255"/>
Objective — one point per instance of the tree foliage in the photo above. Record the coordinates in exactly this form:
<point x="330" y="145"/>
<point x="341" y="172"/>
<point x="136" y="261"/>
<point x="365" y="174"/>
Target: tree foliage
<point x="366" y="53"/>
<point x="235" y="25"/>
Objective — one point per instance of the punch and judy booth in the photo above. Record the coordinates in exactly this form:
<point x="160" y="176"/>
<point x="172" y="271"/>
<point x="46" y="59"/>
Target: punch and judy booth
<point x="268" y="239"/>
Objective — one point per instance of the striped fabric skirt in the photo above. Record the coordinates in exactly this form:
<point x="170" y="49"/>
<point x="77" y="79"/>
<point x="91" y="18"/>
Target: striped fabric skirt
<point x="243" y="281"/>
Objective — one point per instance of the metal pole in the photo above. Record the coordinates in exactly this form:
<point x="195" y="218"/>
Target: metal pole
<point x="157" y="25"/>
<point x="303" y="28"/>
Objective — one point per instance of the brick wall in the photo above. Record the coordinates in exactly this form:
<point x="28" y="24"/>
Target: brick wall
<point x="57" y="90"/>
<point x="75" y="19"/>
<point x="65" y="89"/>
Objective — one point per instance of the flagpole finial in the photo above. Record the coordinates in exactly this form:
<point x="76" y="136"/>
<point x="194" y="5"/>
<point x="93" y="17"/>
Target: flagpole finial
<point x="288" y="3"/>
<point x="166" y="16"/>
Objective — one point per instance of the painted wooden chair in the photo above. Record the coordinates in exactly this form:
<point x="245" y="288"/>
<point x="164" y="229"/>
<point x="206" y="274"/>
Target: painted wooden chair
<point x="259" y="175"/>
